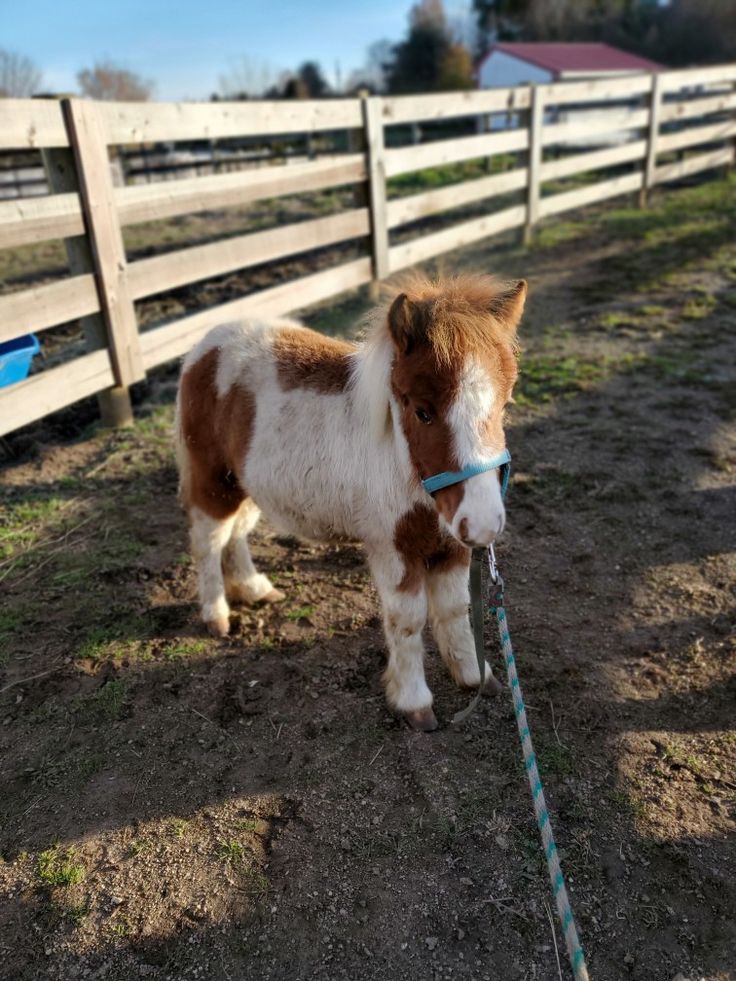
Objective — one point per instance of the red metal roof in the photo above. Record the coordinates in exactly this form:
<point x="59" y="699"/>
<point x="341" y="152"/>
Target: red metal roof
<point x="576" y="57"/>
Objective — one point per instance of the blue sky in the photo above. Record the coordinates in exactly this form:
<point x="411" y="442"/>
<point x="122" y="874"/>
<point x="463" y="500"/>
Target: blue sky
<point x="185" y="45"/>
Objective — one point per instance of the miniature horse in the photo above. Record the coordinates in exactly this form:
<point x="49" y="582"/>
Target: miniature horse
<point x="331" y="440"/>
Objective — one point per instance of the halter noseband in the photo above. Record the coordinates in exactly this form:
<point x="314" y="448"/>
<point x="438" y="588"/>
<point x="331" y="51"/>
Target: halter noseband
<point x="501" y="461"/>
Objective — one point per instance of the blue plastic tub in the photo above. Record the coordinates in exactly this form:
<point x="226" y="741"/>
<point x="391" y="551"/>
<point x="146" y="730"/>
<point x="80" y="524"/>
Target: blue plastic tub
<point x="15" y="358"/>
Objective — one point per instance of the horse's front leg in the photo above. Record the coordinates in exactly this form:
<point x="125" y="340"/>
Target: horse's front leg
<point x="404" y="617"/>
<point x="449" y="598"/>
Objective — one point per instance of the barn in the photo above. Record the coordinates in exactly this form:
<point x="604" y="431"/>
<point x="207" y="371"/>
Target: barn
<point x="517" y="63"/>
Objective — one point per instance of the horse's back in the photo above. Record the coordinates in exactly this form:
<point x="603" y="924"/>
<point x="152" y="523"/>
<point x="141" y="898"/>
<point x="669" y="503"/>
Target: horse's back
<point x="276" y="370"/>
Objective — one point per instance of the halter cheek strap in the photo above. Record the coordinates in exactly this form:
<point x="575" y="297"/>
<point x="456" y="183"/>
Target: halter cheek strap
<point x="502" y="461"/>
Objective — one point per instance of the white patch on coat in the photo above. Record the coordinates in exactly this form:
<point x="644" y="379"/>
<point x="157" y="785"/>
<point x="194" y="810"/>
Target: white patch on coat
<point x="481" y="506"/>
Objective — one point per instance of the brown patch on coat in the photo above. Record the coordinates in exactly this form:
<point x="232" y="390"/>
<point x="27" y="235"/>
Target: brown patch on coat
<point x="216" y="433"/>
<point x="424" y="547"/>
<point x="306" y="359"/>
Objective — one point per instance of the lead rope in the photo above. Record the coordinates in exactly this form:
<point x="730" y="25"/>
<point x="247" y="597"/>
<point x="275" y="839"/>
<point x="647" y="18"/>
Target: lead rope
<point x="574" y="950"/>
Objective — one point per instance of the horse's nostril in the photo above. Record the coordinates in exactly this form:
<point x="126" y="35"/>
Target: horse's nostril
<point x="463" y="529"/>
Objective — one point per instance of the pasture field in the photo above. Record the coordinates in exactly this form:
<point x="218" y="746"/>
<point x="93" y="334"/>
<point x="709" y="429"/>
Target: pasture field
<point x="177" y="807"/>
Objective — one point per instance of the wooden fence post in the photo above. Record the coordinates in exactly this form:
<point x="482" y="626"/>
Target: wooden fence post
<point x="649" y="175"/>
<point x="88" y="142"/>
<point x="534" y="158"/>
<point x="376" y="166"/>
<point x="61" y="172"/>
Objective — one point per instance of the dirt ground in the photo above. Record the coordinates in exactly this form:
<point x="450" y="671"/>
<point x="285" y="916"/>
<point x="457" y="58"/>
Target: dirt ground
<point x="177" y="807"/>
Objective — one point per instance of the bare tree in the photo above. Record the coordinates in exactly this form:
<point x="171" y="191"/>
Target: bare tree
<point x="106" y="80"/>
<point x="248" y="78"/>
<point x="19" y="77"/>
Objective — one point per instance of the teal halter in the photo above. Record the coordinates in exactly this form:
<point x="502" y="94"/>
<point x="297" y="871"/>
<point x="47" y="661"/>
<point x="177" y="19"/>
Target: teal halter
<point x="502" y="461"/>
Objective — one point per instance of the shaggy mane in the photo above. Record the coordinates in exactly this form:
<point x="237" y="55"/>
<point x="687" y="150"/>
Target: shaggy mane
<point x="462" y="320"/>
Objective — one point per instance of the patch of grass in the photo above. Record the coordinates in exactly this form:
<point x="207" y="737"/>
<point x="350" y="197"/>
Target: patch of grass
<point x="179" y="827"/>
<point x="652" y="310"/>
<point x="629" y="803"/>
<point x="119" y="637"/>
<point x="58" y="867"/>
<point x="121" y="928"/>
<point x="185" y="648"/>
<point x="256" y="881"/>
<point x="300" y="613"/>
<point x="75" y="914"/>
<point x="106" y="704"/>
<point x="543" y="378"/>
<point x="547" y="236"/>
<point x="556" y="759"/>
<point x="234" y="853"/>
<point x="698" y="307"/>
<point x="230" y="850"/>
<point x="138" y="847"/>
<point x="25" y="526"/>
<point x="90" y="764"/>
<point x="249" y="824"/>
<point x="443" y="176"/>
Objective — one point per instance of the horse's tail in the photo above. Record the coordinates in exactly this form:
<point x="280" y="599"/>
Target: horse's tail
<point x="180" y="447"/>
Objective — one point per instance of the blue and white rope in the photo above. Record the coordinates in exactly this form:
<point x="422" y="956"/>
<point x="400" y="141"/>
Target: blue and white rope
<point x="574" y="950"/>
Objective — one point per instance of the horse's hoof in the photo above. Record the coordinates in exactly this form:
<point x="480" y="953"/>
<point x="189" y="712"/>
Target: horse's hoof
<point x="219" y="627"/>
<point x="423" y="720"/>
<point x="273" y="596"/>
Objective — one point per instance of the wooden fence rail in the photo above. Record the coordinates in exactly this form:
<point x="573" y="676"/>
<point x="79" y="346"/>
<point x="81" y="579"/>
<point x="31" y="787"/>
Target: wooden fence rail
<point x="544" y="148"/>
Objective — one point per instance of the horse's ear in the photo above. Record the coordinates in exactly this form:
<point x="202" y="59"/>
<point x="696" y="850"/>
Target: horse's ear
<point x="404" y="323"/>
<point x="508" y="305"/>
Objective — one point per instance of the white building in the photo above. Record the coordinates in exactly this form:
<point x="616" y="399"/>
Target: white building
<point x="515" y="63"/>
<point x="509" y="64"/>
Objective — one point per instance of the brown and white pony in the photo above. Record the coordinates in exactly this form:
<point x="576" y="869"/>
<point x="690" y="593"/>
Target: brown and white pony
<point x="331" y="440"/>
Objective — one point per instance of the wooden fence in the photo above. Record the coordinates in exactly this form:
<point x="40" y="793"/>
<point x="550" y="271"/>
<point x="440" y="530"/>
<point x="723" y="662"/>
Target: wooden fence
<point x="664" y="117"/>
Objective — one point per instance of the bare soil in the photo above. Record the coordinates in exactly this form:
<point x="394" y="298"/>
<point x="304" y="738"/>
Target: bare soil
<point x="176" y="807"/>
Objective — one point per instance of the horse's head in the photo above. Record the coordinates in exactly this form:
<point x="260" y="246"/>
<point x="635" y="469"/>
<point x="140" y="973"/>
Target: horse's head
<point x="452" y="376"/>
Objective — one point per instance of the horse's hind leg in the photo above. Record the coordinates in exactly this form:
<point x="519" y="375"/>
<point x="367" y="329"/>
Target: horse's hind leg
<point x="243" y="584"/>
<point x="209" y="536"/>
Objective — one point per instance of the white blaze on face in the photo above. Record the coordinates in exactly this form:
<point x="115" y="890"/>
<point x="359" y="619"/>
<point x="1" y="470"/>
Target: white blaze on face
<point x="480" y="516"/>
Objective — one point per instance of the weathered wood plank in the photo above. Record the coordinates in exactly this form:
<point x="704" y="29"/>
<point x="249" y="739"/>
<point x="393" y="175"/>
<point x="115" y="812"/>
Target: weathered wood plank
<point x="89" y="143"/>
<point x="446" y="105"/>
<point x="696" y="135"/>
<point x="428" y="246"/>
<point x="695" y="77"/>
<point x="534" y="165"/>
<point x="693" y="165"/>
<point x="175" y="339"/>
<point x="51" y="390"/>
<point x="416" y="206"/>
<point x="40" y="307"/>
<point x="690" y="108"/>
<point x="653" y="137"/>
<point x="582" y="196"/>
<point x="572" y="130"/>
<point x="596" y="89"/>
<point x="452" y="151"/>
<point x="24" y="221"/>
<point x="152" y="122"/>
<point x="581" y="163"/>
<point x="61" y="172"/>
<point x="376" y="163"/>
<point x="165" y="272"/>
<point x="165" y="199"/>
<point x="32" y="123"/>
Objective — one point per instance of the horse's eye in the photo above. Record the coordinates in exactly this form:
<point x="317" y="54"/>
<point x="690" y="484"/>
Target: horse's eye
<point x="424" y="416"/>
